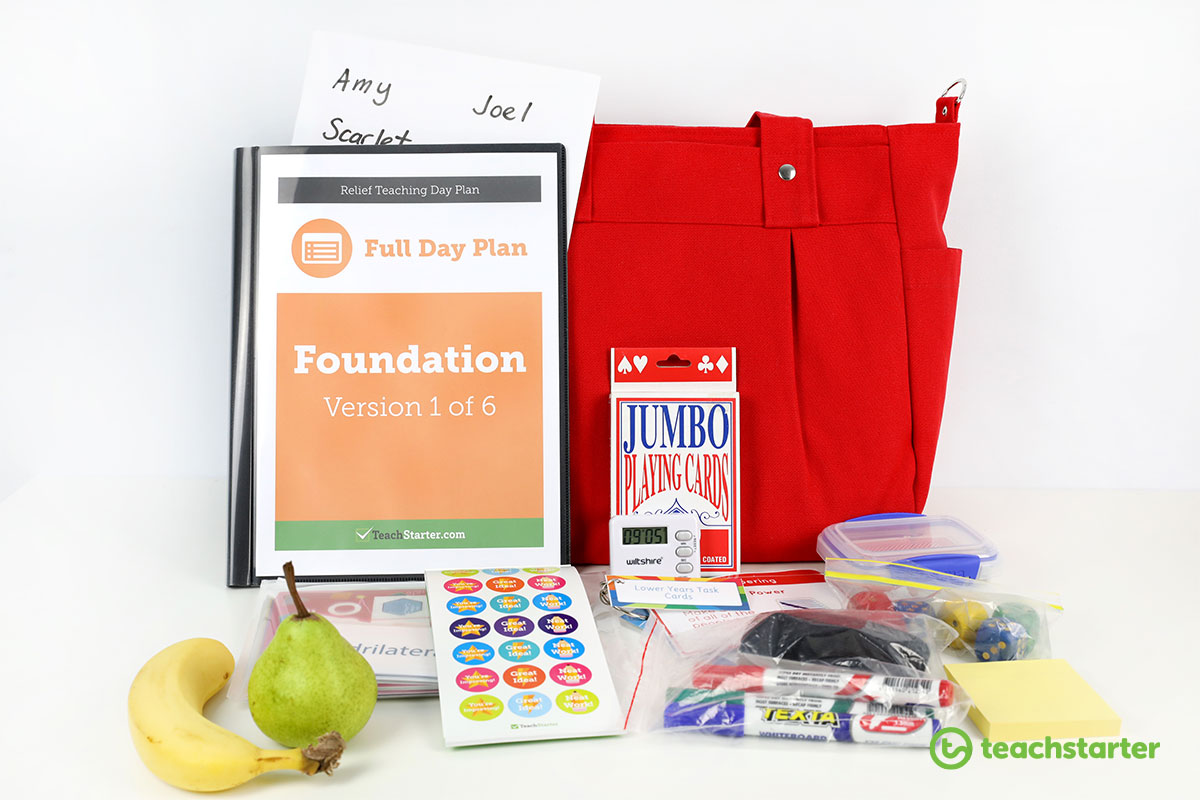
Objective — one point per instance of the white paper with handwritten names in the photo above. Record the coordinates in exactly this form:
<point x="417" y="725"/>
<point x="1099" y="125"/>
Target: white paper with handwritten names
<point x="367" y="91"/>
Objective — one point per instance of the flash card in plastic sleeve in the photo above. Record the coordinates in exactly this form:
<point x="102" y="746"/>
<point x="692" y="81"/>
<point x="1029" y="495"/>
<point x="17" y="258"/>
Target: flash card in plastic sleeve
<point x="691" y="594"/>
<point x="518" y="656"/>
<point x="765" y="592"/>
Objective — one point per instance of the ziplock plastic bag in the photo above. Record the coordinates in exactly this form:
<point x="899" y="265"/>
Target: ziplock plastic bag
<point x="817" y="703"/>
<point x="992" y="623"/>
<point x="773" y="647"/>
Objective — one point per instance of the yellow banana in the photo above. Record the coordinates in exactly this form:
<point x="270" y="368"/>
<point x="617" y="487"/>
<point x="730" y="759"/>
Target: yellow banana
<point x="181" y="746"/>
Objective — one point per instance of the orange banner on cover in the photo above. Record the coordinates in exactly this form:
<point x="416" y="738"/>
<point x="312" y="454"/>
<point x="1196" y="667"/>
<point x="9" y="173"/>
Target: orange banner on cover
<point x="367" y="427"/>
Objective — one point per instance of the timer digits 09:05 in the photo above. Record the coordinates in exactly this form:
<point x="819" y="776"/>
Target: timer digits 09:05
<point x="662" y="545"/>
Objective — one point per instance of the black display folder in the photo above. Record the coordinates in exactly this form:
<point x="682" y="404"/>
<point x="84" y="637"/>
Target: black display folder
<point x="367" y="223"/>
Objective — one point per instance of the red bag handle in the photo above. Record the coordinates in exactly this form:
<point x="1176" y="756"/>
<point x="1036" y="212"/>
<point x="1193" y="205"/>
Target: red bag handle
<point x="789" y="171"/>
<point x="947" y="106"/>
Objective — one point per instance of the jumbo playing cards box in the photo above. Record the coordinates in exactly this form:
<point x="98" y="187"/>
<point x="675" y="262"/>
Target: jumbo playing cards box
<point x="675" y="442"/>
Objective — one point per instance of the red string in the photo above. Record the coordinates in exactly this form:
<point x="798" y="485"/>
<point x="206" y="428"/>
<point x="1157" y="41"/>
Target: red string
<point x="641" y="670"/>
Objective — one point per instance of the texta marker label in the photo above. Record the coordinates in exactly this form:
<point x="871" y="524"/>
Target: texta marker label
<point x="792" y="718"/>
<point x="798" y="717"/>
<point x="675" y="442"/>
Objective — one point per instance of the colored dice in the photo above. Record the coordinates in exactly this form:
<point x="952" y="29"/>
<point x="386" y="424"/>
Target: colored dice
<point x="965" y="616"/>
<point x="870" y="600"/>
<point x="1029" y="618"/>
<point x="1001" y="639"/>
<point x="911" y="606"/>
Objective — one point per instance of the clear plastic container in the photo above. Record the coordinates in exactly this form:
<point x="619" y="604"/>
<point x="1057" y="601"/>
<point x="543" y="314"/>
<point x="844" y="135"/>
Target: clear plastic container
<point x="943" y="544"/>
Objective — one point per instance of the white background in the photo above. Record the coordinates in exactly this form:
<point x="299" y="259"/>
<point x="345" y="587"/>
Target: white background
<point x="1076" y="201"/>
<point x="131" y="589"/>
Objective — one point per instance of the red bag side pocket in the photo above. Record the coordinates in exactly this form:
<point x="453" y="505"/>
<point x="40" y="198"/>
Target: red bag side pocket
<point x="930" y="299"/>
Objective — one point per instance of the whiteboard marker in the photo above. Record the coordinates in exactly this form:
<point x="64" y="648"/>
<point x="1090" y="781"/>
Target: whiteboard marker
<point x="886" y="689"/>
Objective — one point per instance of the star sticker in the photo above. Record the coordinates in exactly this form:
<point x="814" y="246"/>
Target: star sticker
<point x="477" y="679"/>
<point x="470" y="629"/>
<point x="473" y="653"/>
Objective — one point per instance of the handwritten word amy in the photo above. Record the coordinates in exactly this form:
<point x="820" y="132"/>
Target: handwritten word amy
<point x="365" y="86"/>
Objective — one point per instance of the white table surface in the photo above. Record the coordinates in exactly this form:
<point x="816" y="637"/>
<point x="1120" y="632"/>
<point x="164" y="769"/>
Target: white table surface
<point x="102" y="573"/>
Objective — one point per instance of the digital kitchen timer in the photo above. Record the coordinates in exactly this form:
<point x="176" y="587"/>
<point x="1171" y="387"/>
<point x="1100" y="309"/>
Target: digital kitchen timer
<point x="663" y="545"/>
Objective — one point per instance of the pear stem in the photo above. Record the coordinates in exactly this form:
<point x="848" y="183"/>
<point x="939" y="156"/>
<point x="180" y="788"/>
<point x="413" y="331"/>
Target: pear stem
<point x="289" y="572"/>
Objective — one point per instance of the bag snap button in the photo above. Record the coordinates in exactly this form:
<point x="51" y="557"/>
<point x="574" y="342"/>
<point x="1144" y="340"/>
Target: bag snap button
<point x="787" y="172"/>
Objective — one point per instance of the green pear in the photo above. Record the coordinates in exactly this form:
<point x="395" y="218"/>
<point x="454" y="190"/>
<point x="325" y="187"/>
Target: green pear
<point x="310" y="681"/>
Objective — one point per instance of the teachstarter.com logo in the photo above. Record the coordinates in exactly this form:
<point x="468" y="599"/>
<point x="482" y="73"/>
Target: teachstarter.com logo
<point x="952" y="748"/>
<point x="321" y="248"/>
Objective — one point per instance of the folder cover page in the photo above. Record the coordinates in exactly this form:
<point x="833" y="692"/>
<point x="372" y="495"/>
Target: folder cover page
<point x="399" y="360"/>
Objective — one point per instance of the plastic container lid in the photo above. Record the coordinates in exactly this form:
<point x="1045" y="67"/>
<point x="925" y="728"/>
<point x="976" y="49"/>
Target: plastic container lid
<point x="944" y="544"/>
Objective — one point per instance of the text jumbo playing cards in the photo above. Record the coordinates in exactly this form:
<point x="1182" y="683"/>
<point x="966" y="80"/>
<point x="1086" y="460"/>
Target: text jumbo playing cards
<point x="518" y="656"/>
<point x="675" y="442"/>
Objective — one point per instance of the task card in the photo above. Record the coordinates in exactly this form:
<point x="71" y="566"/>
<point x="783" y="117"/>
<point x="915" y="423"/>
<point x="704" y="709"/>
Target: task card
<point x="399" y="389"/>
<point x="518" y="656"/>
<point x="677" y="594"/>
<point x="372" y="92"/>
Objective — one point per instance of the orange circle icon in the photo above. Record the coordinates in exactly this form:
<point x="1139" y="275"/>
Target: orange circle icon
<point x="321" y="248"/>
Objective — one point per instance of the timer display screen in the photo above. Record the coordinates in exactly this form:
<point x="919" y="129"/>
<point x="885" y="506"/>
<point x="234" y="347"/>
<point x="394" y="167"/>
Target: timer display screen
<point x="644" y="535"/>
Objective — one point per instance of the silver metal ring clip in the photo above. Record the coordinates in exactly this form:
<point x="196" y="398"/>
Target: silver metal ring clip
<point x="962" y="92"/>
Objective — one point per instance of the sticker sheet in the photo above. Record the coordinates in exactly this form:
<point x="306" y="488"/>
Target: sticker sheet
<point x="518" y="656"/>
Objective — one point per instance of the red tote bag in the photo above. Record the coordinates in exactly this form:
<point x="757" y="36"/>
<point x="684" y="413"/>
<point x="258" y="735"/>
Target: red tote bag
<point x="819" y="254"/>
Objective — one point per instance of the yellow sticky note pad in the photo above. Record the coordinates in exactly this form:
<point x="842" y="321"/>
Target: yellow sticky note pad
<point x="1022" y="700"/>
